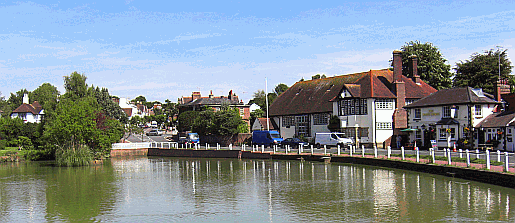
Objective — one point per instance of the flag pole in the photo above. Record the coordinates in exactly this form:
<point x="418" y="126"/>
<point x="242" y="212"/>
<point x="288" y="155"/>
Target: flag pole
<point x="266" y="97"/>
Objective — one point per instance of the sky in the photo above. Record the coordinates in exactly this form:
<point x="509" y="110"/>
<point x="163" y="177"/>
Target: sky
<point x="168" y="49"/>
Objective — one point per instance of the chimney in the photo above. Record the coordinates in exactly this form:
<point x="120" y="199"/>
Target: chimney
<point x="195" y="95"/>
<point x="25" y="99"/>
<point x="397" y="65"/>
<point x="413" y="61"/>
<point x="230" y="95"/>
<point x="211" y="94"/>
<point x="497" y="90"/>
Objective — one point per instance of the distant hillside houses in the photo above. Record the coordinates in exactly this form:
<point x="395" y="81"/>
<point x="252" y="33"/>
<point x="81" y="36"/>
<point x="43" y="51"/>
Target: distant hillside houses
<point x="370" y="101"/>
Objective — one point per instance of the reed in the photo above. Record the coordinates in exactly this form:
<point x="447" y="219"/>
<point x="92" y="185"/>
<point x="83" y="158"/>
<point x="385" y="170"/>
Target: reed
<point x="78" y="155"/>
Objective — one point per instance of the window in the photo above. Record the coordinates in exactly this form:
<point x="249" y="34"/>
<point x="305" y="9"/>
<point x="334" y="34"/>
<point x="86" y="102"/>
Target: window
<point x="288" y="121"/>
<point x="353" y="106"/>
<point x="453" y="133"/>
<point x="418" y="135"/>
<point x="363" y="132"/>
<point x="351" y="132"/>
<point x="443" y="134"/>
<point x="446" y="112"/>
<point x="384" y="104"/>
<point x="242" y="112"/>
<point x="384" y="125"/>
<point x="321" y="119"/>
<point x="22" y="116"/>
<point x="477" y="110"/>
<point x="417" y="113"/>
<point x="302" y="125"/>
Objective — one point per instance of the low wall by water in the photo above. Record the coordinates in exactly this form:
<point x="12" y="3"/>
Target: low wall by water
<point x="129" y="152"/>
<point x="496" y="178"/>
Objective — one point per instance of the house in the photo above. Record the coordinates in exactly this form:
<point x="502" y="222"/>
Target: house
<point x="197" y="103"/>
<point x="370" y="101"/>
<point x="131" y="109"/>
<point x="449" y="115"/>
<point x="32" y="113"/>
<point x="261" y="124"/>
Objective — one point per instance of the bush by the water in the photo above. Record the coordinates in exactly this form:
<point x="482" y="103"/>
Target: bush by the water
<point x="73" y="156"/>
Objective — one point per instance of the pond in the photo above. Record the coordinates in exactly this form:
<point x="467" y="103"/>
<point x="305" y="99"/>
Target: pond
<point x="158" y="189"/>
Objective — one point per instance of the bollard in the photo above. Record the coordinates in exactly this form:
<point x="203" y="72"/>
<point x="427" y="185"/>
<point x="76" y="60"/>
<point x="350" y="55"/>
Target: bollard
<point x="461" y="153"/>
<point x="467" y="153"/>
<point x="230" y="146"/>
<point x="444" y="152"/>
<point x="262" y="148"/>
<point x="487" y="159"/>
<point x="418" y="154"/>
<point x="217" y="146"/>
<point x="339" y="150"/>
<point x="375" y="151"/>
<point x="449" y="160"/>
<point x="352" y="148"/>
<point x="325" y="150"/>
<point x="362" y="150"/>
<point x="433" y="155"/>
<point x="388" y="151"/>
<point x="243" y="147"/>
<point x="498" y="156"/>
<point x="402" y="153"/>
<point x="311" y="149"/>
<point x="477" y="153"/>
<point x="506" y="163"/>
<point x="299" y="149"/>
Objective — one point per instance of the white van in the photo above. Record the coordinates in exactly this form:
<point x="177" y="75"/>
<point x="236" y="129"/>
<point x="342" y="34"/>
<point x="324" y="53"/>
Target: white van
<point x="332" y="139"/>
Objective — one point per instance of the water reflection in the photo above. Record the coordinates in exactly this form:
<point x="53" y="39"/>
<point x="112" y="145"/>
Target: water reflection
<point x="213" y="190"/>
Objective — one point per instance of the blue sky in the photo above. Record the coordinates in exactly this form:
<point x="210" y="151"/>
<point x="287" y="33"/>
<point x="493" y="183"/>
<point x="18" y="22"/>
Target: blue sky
<point x="167" y="49"/>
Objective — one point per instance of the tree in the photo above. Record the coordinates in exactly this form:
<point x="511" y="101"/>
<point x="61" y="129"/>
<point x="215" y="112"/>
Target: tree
<point x="334" y="124"/>
<point x="4" y="107"/>
<point x="75" y="86"/>
<point x="109" y="107"/>
<point x="431" y="64"/>
<point x="186" y="120"/>
<point x="140" y="99"/>
<point x="482" y="70"/>
<point x="15" y="100"/>
<point x="46" y="95"/>
<point x="280" y="88"/>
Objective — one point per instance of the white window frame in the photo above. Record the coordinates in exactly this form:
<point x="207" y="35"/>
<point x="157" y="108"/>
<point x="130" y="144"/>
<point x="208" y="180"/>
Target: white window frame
<point x="446" y="112"/>
<point x="383" y="125"/>
<point x="478" y="112"/>
<point x="384" y="104"/>
<point x="321" y="119"/>
<point x="417" y="114"/>
<point x="442" y="134"/>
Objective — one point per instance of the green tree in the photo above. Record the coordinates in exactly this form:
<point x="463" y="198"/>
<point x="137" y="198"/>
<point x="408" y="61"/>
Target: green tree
<point x="280" y="88"/>
<point x="109" y="107"/>
<point x="204" y="122"/>
<point x="482" y="70"/>
<point x="431" y="64"/>
<point x="75" y="86"/>
<point x="260" y="98"/>
<point x="186" y="120"/>
<point x="15" y="100"/>
<point x="140" y="99"/>
<point x="46" y="95"/>
<point x="4" y="107"/>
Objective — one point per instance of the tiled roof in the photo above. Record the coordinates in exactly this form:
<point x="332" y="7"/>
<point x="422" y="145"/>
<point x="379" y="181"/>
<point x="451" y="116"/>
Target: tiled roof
<point x="34" y="108"/>
<point x="453" y="96"/>
<point x="497" y="120"/>
<point x="316" y="96"/>
<point x="127" y="111"/>
<point x="272" y="124"/>
<point x="212" y="101"/>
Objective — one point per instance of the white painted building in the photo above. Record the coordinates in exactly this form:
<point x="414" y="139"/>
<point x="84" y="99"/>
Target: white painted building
<point x="32" y="113"/>
<point x="370" y="101"/>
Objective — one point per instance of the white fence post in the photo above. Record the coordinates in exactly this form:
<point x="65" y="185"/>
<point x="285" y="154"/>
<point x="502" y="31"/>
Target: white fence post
<point x="375" y="151"/>
<point x="449" y="158"/>
<point x="506" y="163"/>
<point x="311" y="149"/>
<point x="388" y="150"/>
<point x="468" y="157"/>
<point x="339" y="151"/>
<point x="325" y="150"/>
<point x="487" y="159"/>
<point x="402" y="153"/>
<point x="363" y="150"/>
<point x="461" y="153"/>
<point x="498" y="156"/>
<point x="418" y="154"/>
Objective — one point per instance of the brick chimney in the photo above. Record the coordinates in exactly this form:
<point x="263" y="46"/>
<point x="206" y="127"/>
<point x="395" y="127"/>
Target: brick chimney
<point x="400" y="116"/>
<point x="195" y="95"/>
<point x="397" y="65"/>
<point x="413" y="61"/>
<point x="211" y="94"/>
<point x="25" y="99"/>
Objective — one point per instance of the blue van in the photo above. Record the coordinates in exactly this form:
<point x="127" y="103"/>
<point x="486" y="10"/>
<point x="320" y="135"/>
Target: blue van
<point x="266" y="138"/>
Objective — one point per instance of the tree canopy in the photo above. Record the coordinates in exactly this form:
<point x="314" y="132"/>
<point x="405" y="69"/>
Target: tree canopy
<point x="431" y="64"/>
<point x="222" y="123"/>
<point x="260" y="98"/>
<point x="482" y="70"/>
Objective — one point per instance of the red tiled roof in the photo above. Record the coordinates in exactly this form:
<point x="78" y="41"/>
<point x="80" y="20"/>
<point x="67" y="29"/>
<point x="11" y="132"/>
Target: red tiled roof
<point x="316" y="96"/>
<point x="26" y="108"/>
<point x="128" y="111"/>
<point x="272" y="124"/>
<point x="497" y="120"/>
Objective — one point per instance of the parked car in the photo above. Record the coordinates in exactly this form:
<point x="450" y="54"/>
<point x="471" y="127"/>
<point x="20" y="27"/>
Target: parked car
<point x="190" y="138"/>
<point x="332" y="139"/>
<point x="266" y="138"/>
<point x="293" y="142"/>
<point x="154" y="132"/>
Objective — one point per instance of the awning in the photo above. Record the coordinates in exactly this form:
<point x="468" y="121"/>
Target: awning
<point x="409" y="130"/>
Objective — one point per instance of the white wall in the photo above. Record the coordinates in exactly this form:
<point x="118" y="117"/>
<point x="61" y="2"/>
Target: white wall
<point x="29" y="118"/>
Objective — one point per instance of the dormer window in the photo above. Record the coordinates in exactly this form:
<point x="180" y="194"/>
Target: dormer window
<point x="329" y="89"/>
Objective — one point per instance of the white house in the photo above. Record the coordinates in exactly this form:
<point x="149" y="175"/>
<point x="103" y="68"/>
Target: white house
<point x="133" y="110"/>
<point x="371" y="101"/>
<point x="452" y="114"/>
<point x="32" y="113"/>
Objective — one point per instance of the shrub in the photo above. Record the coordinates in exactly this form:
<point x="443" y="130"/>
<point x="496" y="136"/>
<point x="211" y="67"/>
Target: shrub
<point x="70" y="155"/>
<point x="35" y="155"/>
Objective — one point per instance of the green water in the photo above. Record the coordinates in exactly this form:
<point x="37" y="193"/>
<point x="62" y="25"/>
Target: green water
<point x="229" y="190"/>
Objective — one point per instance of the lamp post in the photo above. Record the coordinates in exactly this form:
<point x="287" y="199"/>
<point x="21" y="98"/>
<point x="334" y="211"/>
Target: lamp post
<point x="498" y="49"/>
